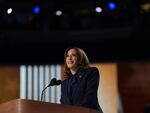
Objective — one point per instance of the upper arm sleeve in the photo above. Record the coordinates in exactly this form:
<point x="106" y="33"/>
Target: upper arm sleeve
<point x="91" y="89"/>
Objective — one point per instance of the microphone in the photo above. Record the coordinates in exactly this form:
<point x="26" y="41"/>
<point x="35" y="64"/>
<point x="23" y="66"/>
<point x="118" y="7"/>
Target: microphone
<point x="53" y="82"/>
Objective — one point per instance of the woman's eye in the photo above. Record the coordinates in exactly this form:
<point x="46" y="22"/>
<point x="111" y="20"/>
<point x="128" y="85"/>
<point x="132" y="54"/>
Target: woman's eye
<point x="74" y="55"/>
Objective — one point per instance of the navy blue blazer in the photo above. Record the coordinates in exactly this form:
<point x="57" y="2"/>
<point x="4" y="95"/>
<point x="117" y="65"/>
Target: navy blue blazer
<point x="84" y="91"/>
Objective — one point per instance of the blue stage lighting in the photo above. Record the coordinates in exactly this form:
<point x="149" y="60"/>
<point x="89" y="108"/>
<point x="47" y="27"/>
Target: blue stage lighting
<point x="111" y="6"/>
<point x="36" y="9"/>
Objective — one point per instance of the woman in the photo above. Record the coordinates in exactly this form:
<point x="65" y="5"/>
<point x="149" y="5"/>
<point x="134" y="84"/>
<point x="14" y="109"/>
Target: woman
<point x="81" y="81"/>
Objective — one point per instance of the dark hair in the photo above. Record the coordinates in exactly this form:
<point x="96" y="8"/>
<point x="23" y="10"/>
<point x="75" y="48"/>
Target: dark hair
<point x="82" y="58"/>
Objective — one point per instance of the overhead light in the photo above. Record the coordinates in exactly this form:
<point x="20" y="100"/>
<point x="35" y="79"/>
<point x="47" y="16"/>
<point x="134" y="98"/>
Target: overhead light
<point x="111" y="5"/>
<point x="9" y="11"/>
<point x="36" y="10"/>
<point x="98" y="9"/>
<point x="59" y="13"/>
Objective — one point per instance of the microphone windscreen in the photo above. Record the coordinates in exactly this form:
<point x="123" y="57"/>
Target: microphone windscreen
<point x="58" y="82"/>
<point x="53" y="81"/>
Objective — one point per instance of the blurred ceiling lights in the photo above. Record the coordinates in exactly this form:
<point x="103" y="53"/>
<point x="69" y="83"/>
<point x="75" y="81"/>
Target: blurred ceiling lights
<point x="58" y="15"/>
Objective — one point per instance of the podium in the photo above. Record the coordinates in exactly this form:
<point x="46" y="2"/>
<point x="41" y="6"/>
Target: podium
<point x="31" y="106"/>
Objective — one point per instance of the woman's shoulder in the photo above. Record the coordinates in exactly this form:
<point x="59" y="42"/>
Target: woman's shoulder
<point x="93" y="68"/>
<point x="92" y="71"/>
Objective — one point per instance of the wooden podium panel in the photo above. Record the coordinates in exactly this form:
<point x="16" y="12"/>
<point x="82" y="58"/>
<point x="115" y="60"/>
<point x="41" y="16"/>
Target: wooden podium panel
<point x="30" y="106"/>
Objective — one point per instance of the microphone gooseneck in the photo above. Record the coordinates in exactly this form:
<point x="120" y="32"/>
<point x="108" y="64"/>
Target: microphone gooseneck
<point x="43" y="92"/>
<point x="52" y="83"/>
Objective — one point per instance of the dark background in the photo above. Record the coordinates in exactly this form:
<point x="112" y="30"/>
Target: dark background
<point x="121" y="35"/>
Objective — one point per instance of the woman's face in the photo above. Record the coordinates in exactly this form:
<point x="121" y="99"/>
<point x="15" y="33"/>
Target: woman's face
<point x="72" y="59"/>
